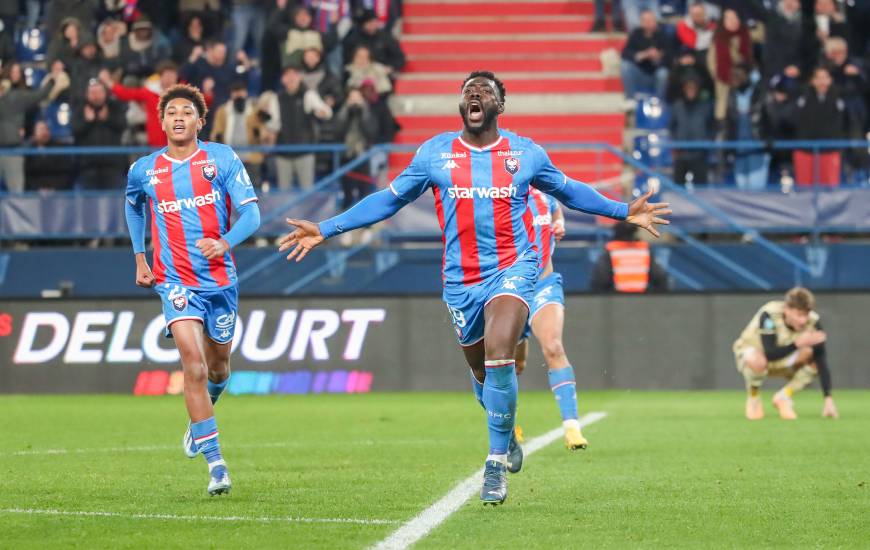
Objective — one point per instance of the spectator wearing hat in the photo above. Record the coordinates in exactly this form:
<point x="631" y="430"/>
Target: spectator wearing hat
<point x="148" y="98"/>
<point x="298" y="110"/>
<point x="86" y="65"/>
<point x="44" y="172"/>
<point x="369" y="32"/>
<point x="303" y="36"/>
<point x="144" y="48"/>
<point x="100" y="121"/>
<point x="14" y="104"/>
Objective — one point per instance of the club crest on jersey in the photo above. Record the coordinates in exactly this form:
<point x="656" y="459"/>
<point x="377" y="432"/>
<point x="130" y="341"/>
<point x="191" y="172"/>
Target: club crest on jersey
<point x="209" y="172"/>
<point x="512" y="165"/>
<point x="180" y="302"/>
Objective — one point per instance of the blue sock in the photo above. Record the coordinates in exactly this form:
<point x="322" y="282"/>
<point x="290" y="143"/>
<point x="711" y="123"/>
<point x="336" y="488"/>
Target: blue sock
<point x="500" y="402"/>
<point x="205" y="435"/>
<point x="565" y="389"/>
<point x="477" y="388"/>
<point x="215" y="389"/>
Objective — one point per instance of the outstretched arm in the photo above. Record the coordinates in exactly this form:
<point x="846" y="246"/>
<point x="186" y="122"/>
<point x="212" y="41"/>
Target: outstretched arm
<point x="372" y="209"/>
<point x="579" y="196"/>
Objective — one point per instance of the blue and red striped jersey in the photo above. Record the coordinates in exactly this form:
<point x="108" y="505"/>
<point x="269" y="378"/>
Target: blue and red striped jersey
<point x="543" y="209"/>
<point x="189" y="200"/>
<point x="481" y="197"/>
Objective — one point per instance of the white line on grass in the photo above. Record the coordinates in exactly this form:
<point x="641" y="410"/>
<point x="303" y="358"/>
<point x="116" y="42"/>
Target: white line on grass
<point x="225" y="446"/>
<point x="419" y="526"/>
<point x="262" y="519"/>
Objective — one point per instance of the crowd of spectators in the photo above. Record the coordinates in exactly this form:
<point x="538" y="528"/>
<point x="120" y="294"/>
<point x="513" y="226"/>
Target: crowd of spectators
<point x="760" y="71"/>
<point x="90" y="73"/>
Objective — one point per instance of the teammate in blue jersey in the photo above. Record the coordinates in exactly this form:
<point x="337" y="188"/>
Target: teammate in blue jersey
<point x="190" y="188"/>
<point x="480" y="178"/>
<point x="547" y="319"/>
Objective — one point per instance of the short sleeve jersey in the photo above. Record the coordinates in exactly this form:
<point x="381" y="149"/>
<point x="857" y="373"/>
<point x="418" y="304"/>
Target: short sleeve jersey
<point x="189" y="200"/>
<point x="481" y="199"/>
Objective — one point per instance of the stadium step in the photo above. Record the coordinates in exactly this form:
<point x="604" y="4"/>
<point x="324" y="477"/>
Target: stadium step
<point x="508" y="45"/>
<point x="525" y="85"/>
<point x="465" y="63"/>
<point x="544" y="53"/>
<point x="465" y="8"/>
<point x="476" y="24"/>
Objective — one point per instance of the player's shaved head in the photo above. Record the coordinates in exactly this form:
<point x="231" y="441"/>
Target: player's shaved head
<point x="183" y="91"/>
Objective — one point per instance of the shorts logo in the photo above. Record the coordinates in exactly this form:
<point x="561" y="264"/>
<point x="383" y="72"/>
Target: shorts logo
<point x="509" y="283"/>
<point x="209" y="172"/>
<point x="224" y="323"/>
<point x="512" y="165"/>
<point x="180" y="302"/>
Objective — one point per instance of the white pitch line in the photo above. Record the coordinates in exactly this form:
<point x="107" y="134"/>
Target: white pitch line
<point x="430" y="518"/>
<point x="225" y="446"/>
<point x="262" y="519"/>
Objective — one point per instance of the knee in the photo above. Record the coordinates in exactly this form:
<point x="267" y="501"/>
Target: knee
<point x="479" y="373"/>
<point x="219" y="370"/>
<point x="195" y="374"/>
<point x="553" y="350"/>
<point x="757" y="363"/>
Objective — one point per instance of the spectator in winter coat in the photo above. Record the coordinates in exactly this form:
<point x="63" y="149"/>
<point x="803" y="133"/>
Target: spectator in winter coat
<point x="384" y="48"/>
<point x="821" y="115"/>
<point x="731" y="46"/>
<point x="363" y="67"/>
<point x="100" y="122"/>
<point x="646" y="58"/>
<point x="14" y="103"/>
<point x="143" y="49"/>
<point x="695" y="31"/>
<point x="691" y="120"/>
<point x="47" y="172"/>
<point x="302" y="36"/>
<point x="743" y="123"/>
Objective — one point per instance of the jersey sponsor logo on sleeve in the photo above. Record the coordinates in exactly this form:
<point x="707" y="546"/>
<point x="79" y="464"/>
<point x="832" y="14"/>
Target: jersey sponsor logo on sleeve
<point x="512" y="165"/>
<point x="482" y="192"/>
<point x="169" y="207"/>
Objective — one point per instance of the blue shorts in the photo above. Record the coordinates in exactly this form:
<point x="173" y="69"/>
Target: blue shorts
<point x="547" y="291"/>
<point x="215" y="308"/>
<point x="466" y="303"/>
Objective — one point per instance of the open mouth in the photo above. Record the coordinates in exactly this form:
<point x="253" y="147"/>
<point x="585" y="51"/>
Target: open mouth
<point x="178" y="128"/>
<point x="475" y="111"/>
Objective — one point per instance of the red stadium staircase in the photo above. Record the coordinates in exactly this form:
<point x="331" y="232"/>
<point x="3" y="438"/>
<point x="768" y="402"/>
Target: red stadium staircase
<point x="544" y="53"/>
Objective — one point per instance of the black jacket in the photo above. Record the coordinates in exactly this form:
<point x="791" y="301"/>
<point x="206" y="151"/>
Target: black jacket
<point x="297" y="126"/>
<point x="385" y="49"/>
<point x="638" y="41"/>
<point x="48" y="171"/>
<point x="821" y="118"/>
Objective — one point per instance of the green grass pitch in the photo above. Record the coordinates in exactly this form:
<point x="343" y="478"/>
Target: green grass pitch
<point x="663" y="470"/>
